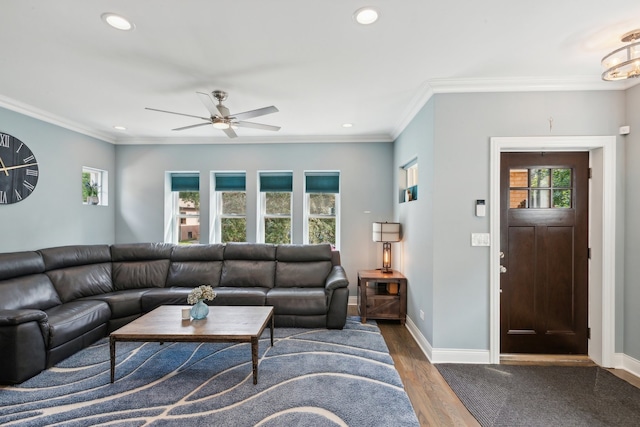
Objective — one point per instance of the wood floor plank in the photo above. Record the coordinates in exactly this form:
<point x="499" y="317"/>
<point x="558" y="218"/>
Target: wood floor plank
<point x="433" y="400"/>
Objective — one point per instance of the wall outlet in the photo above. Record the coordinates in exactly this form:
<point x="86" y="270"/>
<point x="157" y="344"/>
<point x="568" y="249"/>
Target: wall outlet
<point x="422" y="314"/>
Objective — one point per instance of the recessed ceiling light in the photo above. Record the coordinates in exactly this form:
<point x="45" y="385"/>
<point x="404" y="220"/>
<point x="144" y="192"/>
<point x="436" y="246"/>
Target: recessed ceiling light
<point x="347" y="125"/>
<point x="117" y="21"/>
<point x="366" y="15"/>
<point x="120" y="127"/>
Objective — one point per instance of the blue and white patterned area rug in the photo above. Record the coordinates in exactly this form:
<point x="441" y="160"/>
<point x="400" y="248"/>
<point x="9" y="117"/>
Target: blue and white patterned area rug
<point x="310" y="377"/>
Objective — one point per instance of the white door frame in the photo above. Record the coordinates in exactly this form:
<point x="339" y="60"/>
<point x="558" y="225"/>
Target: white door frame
<point x="602" y="322"/>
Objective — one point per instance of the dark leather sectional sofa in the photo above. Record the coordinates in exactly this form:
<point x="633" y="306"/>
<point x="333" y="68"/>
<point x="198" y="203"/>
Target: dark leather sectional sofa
<point x="56" y="301"/>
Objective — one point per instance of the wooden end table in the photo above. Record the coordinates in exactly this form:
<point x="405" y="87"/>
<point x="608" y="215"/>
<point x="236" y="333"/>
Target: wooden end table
<point x="382" y="295"/>
<point x="224" y="324"/>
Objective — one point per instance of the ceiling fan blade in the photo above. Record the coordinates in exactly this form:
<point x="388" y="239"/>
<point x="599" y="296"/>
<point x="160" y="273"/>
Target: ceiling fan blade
<point x="224" y="111"/>
<point x="255" y="113"/>
<point x="208" y="103"/>
<point x="179" y="114"/>
<point x="256" y="126"/>
<point x="192" y="126"/>
<point x="230" y="133"/>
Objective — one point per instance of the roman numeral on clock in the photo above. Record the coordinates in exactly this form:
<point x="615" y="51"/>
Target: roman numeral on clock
<point x="32" y="172"/>
<point x="28" y="185"/>
<point x="28" y="159"/>
<point x="3" y="197"/>
<point x="18" y="196"/>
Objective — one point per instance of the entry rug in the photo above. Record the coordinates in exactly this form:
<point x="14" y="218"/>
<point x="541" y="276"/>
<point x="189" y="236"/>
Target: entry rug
<point x="516" y="395"/>
<point x="310" y="377"/>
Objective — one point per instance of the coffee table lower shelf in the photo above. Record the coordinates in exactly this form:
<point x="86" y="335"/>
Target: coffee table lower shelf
<point x="224" y="324"/>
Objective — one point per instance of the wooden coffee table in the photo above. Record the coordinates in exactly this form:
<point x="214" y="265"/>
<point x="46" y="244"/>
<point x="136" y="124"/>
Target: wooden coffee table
<point x="224" y="324"/>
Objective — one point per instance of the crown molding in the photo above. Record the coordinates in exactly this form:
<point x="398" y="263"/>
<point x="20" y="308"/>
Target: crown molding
<point x="525" y="84"/>
<point x="36" y="113"/>
<point x="285" y="139"/>
<point x="506" y="84"/>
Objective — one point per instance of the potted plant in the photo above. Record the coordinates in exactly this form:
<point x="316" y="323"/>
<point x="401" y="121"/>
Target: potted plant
<point x="93" y="189"/>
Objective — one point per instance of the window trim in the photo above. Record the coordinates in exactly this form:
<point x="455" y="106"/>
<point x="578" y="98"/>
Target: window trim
<point x="172" y="213"/>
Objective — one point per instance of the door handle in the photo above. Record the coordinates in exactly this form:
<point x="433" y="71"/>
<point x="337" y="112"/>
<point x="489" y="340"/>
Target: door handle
<point x="503" y="269"/>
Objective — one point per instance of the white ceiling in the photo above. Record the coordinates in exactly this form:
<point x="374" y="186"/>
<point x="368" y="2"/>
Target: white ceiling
<point x="61" y="63"/>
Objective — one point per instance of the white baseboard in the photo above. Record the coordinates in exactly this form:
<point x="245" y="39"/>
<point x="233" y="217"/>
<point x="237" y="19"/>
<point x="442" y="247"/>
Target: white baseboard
<point x="630" y="364"/>
<point x="446" y="355"/>
<point x="422" y="342"/>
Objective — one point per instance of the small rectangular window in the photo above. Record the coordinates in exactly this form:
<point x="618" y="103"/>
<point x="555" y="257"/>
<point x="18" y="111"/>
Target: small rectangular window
<point x="275" y="202"/>
<point x="322" y="213"/>
<point x="184" y="201"/>
<point x="409" y="181"/>
<point x="95" y="184"/>
<point x="230" y="211"/>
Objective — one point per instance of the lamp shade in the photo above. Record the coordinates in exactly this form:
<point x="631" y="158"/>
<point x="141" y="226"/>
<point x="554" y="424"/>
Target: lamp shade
<point x="386" y="231"/>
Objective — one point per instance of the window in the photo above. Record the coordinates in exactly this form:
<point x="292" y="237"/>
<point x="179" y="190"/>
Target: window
<point x="322" y="208"/>
<point x="184" y="208"/>
<point x="230" y="220"/>
<point x="274" y="219"/>
<point x="540" y="188"/>
<point x="409" y="181"/>
<point x="94" y="186"/>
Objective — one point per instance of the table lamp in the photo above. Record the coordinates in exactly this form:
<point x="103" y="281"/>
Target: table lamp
<point x="386" y="232"/>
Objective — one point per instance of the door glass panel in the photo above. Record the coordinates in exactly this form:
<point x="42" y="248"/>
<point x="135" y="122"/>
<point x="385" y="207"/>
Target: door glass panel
<point x="541" y="188"/>
<point x="518" y="199"/>
<point x="561" y="178"/>
<point x="518" y="178"/>
<point x="562" y="199"/>
<point x="539" y="199"/>
<point x="539" y="177"/>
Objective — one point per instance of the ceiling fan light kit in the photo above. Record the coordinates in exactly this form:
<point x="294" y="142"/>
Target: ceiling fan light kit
<point x="623" y="63"/>
<point x="221" y="118"/>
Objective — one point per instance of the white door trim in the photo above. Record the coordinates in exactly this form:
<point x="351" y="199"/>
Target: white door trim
<point x="605" y="326"/>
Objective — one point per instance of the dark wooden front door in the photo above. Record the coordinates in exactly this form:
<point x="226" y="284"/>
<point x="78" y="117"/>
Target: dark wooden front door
<point x="544" y="242"/>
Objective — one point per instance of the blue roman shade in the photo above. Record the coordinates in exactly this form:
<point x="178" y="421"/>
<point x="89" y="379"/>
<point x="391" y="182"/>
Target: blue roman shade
<point x="185" y="181"/>
<point x="322" y="182"/>
<point x="276" y="182"/>
<point x="231" y="181"/>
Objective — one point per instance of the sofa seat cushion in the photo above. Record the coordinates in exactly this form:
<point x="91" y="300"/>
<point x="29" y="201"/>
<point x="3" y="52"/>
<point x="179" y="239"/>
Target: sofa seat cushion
<point x="122" y="303"/>
<point x="299" y="301"/>
<point x="154" y="298"/>
<point x="240" y="296"/>
<point x="73" y="319"/>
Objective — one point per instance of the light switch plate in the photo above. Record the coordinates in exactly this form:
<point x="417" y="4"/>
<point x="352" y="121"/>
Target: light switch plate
<point x="480" y="239"/>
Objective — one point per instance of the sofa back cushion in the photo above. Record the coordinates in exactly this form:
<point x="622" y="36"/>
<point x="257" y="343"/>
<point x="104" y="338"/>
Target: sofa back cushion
<point x="78" y="271"/>
<point x="23" y="283"/>
<point x="248" y="265"/>
<point x="195" y="265"/>
<point x="303" y="266"/>
<point x="140" y="265"/>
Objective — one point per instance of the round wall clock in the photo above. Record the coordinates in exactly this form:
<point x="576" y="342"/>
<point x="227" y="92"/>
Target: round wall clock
<point x="18" y="170"/>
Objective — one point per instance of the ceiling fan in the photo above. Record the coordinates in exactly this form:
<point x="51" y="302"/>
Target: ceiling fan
<point x="222" y="119"/>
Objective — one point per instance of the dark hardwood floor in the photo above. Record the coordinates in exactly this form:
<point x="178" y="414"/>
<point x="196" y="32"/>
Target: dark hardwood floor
<point x="433" y="400"/>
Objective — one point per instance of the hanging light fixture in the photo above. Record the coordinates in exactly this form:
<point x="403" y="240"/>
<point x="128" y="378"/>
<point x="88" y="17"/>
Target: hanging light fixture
<point x="623" y="63"/>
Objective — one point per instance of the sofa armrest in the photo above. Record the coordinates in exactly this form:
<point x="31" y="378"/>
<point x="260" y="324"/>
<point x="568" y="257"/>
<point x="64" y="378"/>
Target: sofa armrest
<point x="337" y="278"/>
<point x="17" y="317"/>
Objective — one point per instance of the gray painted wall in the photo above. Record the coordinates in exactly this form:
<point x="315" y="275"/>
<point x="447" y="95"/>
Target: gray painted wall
<point x="54" y="214"/>
<point x="462" y="127"/>
<point x="366" y="185"/>
<point x="632" y="246"/>
<point x="416" y="217"/>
